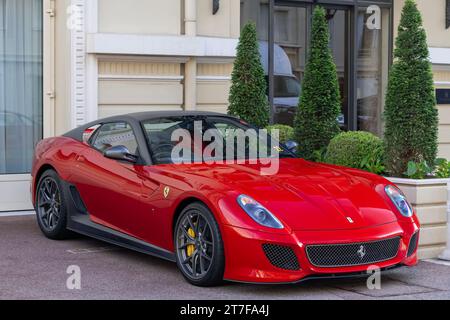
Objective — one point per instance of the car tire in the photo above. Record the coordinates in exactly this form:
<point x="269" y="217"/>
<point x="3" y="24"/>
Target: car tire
<point x="51" y="206"/>
<point x="206" y="256"/>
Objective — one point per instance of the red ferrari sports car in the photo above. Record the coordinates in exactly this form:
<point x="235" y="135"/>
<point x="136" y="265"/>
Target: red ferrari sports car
<point x="116" y="180"/>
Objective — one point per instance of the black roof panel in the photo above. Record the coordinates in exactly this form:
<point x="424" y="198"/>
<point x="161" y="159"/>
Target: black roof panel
<point x="134" y="118"/>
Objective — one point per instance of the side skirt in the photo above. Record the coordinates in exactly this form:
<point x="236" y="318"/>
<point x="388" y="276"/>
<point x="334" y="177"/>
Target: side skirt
<point x="78" y="221"/>
<point x="83" y="225"/>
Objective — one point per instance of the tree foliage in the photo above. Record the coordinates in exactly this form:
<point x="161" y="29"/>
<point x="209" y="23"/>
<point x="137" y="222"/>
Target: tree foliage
<point x="410" y="112"/>
<point x="248" y="99"/>
<point x="316" y="122"/>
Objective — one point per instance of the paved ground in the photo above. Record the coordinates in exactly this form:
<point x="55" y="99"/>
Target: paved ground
<point x="33" y="267"/>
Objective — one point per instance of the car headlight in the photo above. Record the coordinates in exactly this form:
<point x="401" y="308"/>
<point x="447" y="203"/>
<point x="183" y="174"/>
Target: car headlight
<point x="258" y="213"/>
<point x="399" y="199"/>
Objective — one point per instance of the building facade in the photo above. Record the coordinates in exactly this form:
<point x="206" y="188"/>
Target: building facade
<point x="66" y="62"/>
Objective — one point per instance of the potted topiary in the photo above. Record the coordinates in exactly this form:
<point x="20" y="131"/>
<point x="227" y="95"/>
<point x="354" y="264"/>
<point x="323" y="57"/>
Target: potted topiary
<point x="248" y="99"/>
<point x="411" y="133"/>
<point x="316" y="123"/>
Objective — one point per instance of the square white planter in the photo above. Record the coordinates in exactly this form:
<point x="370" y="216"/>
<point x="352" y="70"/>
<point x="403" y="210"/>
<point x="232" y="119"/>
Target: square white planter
<point x="430" y="199"/>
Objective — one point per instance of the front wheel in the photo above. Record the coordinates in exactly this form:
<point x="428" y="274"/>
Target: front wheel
<point x="199" y="246"/>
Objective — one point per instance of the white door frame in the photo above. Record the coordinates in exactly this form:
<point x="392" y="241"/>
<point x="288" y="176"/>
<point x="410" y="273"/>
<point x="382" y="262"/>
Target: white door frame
<point x="15" y="188"/>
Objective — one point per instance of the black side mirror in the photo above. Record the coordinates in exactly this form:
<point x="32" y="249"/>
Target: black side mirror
<point x="120" y="153"/>
<point x="292" y="146"/>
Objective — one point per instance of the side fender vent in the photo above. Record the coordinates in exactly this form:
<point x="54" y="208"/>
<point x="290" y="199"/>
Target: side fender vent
<point x="77" y="201"/>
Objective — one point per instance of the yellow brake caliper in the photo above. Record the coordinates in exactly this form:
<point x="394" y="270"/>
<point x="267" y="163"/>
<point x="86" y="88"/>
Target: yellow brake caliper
<point x="190" y="248"/>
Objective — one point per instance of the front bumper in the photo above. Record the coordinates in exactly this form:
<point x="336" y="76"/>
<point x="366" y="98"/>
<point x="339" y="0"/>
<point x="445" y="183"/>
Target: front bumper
<point x="245" y="260"/>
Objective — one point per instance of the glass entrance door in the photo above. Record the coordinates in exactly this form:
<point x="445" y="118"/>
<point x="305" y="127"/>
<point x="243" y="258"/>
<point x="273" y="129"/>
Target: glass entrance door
<point x="20" y="91"/>
<point x="372" y="44"/>
<point x="360" y="42"/>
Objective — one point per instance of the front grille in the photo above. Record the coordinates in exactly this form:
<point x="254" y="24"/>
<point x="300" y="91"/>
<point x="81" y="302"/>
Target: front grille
<point x="413" y="244"/>
<point x="353" y="254"/>
<point x="282" y="257"/>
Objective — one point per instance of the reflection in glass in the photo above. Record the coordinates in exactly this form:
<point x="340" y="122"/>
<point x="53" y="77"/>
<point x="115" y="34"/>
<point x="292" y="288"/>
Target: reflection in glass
<point x="290" y="50"/>
<point x="338" y="27"/>
<point x="20" y="83"/>
<point x="291" y="38"/>
<point x="372" y="52"/>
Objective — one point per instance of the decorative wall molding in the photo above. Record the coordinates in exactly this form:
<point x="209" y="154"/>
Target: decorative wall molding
<point x="214" y="69"/>
<point x="442" y="83"/>
<point x="134" y="58"/>
<point x="91" y="64"/>
<point x="213" y="78"/>
<point x="440" y="55"/>
<point x="78" y="64"/>
<point x="114" y="77"/>
<point x="212" y="60"/>
<point x="157" y="45"/>
<point x="139" y="68"/>
<point x="83" y="66"/>
<point x="441" y="77"/>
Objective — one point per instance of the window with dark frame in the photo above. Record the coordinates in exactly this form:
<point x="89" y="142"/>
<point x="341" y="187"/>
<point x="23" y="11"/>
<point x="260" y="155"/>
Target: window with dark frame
<point x="443" y="96"/>
<point x="447" y="14"/>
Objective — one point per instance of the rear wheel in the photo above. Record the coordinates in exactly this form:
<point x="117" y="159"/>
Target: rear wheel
<point x="199" y="246"/>
<point x="51" y="206"/>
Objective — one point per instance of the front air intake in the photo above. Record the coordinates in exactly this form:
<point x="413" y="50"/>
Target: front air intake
<point x="352" y="254"/>
<point x="413" y="244"/>
<point x="282" y="257"/>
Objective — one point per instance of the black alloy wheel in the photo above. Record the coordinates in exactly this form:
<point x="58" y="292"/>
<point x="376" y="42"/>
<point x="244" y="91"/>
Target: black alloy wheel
<point x="199" y="247"/>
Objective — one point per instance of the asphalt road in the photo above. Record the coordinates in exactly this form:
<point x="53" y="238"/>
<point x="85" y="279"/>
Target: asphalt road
<point x="33" y="267"/>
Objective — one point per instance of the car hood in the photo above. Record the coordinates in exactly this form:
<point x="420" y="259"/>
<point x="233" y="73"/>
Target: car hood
<point x="306" y="195"/>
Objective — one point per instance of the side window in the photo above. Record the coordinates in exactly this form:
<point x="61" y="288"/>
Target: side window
<point x="89" y="132"/>
<point x="115" y="134"/>
<point x="159" y="137"/>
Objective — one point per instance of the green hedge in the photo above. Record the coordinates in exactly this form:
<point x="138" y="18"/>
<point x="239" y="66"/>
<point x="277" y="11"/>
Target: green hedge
<point x="360" y="150"/>
<point x="286" y="132"/>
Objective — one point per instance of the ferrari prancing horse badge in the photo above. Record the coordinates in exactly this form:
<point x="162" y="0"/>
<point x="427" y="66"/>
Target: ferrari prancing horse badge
<point x="166" y="192"/>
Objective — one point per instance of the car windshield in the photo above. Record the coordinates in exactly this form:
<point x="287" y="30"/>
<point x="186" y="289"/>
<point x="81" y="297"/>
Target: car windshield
<point x="201" y="138"/>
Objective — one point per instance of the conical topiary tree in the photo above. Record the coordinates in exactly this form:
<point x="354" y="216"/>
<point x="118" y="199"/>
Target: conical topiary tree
<point x="410" y="112"/>
<point x="248" y="99"/>
<point x="316" y="122"/>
